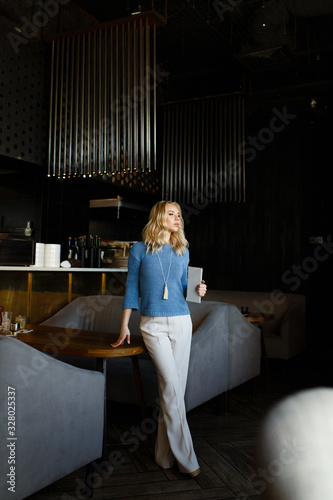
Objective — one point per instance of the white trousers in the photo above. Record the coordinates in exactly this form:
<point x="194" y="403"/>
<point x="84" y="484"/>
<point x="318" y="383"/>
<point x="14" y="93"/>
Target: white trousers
<point x="168" y="341"/>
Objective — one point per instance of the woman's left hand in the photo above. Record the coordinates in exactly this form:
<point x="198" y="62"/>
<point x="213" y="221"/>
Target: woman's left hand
<point x="201" y="289"/>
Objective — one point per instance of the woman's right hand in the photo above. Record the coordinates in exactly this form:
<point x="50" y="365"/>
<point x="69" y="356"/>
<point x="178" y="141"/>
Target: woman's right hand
<point x="125" y="334"/>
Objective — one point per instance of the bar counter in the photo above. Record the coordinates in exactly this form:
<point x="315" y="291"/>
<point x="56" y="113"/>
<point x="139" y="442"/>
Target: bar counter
<point x="39" y="292"/>
<point x="66" y="269"/>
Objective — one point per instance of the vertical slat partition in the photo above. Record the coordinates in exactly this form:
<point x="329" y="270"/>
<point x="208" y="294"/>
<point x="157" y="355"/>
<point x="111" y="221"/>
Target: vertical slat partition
<point x="61" y="96"/>
<point x="111" y="107"/>
<point x="98" y="135"/>
<point x="147" y="98"/>
<point x="76" y="117"/>
<point x="106" y="148"/>
<point x="202" y="159"/>
<point x="153" y="86"/>
<point x="55" y="115"/>
<point x="140" y="95"/>
<point x="129" y="111"/>
<point x="87" y="101"/>
<point x="50" y="162"/>
<point x="82" y="110"/>
<point x="71" y="114"/>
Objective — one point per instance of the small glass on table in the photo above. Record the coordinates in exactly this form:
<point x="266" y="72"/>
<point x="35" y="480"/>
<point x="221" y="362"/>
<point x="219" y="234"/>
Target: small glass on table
<point x="22" y="320"/>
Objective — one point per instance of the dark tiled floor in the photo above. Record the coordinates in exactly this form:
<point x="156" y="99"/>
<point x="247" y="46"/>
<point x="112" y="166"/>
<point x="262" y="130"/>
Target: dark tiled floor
<point x="223" y="442"/>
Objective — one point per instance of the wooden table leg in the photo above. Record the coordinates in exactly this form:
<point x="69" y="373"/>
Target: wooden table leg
<point x="139" y="386"/>
<point x="263" y="347"/>
<point x="101" y="366"/>
<point x="89" y="487"/>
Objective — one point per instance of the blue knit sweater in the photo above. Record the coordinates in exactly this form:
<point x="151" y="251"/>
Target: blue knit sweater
<point x="145" y="278"/>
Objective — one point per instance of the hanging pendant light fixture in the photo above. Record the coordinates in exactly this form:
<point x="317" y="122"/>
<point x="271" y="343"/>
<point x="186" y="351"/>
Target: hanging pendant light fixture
<point x="103" y="99"/>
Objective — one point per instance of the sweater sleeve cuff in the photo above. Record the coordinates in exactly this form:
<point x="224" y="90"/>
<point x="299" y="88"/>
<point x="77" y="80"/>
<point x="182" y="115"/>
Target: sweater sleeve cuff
<point x="130" y="305"/>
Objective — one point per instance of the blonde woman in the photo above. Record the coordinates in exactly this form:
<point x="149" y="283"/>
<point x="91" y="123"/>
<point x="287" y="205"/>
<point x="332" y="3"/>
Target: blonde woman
<point x="157" y="269"/>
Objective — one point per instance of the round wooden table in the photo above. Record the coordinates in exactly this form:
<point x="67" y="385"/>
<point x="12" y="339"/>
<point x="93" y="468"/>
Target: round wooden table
<point x="77" y="342"/>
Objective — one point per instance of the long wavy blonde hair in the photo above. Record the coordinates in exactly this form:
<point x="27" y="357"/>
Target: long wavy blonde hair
<point x="155" y="231"/>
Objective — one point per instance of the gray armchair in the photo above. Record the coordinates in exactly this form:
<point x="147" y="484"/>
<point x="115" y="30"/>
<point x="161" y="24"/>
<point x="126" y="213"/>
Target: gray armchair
<point x="58" y="412"/>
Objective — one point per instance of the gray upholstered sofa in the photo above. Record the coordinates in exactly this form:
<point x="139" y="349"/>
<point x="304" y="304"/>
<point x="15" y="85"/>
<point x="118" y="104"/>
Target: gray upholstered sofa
<point x="285" y="335"/>
<point x="51" y="419"/>
<point x="225" y="349"/>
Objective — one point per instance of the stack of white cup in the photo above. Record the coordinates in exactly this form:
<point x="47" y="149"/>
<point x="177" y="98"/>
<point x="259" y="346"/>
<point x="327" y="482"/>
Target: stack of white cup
<point x="52" y="255"/>
<point x="39" y="254"/>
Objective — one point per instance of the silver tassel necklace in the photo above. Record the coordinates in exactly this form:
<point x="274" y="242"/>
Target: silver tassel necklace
<point x="165" y="292"/>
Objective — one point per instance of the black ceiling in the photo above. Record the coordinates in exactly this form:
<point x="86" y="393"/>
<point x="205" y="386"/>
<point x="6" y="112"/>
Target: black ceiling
<point x="215" y="46"/>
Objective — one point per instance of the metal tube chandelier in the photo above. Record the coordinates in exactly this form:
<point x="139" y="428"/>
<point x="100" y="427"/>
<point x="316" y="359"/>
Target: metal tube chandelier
<point x="202" y="150"/>
<point x="103" y="100"/>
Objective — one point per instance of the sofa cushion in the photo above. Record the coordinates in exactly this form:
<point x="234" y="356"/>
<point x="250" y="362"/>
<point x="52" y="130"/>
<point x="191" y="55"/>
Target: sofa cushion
<point x="276" y="303"/>
<point x="285" y="334"/>
<point x="94" y="312"/>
